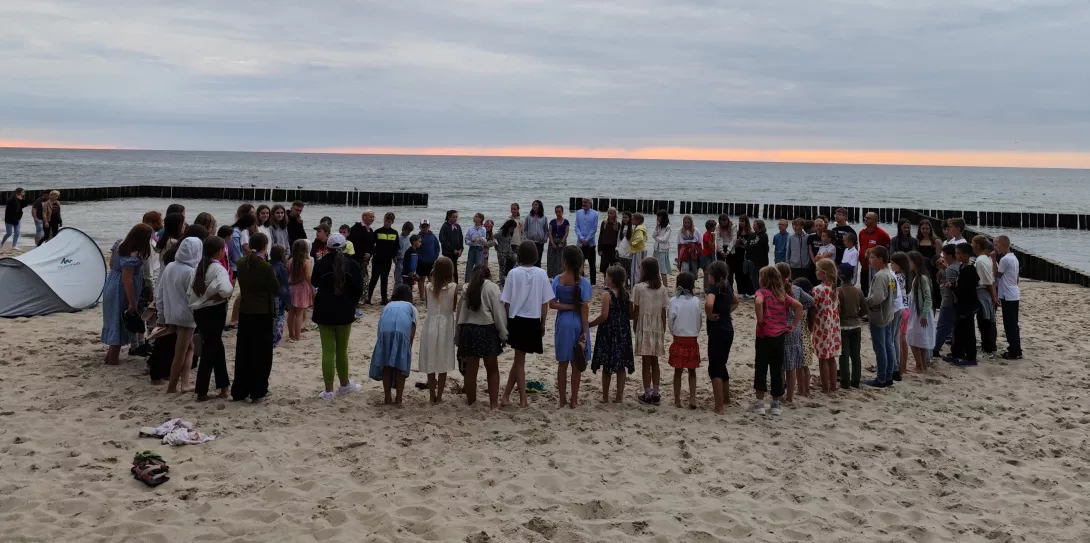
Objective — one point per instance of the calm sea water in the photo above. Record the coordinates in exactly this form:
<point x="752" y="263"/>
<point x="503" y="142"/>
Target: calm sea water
<point x="489" y="185"/>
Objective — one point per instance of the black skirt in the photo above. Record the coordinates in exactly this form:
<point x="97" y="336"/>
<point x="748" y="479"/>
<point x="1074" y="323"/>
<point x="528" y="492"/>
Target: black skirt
<point x="524" y="335"/>
<point x="478" y="341"/>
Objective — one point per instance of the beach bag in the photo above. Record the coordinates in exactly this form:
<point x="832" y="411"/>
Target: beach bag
<point x="133" y="323"/>
<point x="579" y="356"/>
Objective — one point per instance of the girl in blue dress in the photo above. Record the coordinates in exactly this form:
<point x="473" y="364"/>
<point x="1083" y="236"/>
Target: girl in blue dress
<point x="573" y="294"/>
<point x="392" y="357"/>
<point x="122" y="289"/>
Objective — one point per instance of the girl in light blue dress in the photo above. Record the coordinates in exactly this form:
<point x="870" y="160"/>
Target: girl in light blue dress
<point x="571" y="305"/>
<point x="126" y="272"/>
<point x="392" y="357"/>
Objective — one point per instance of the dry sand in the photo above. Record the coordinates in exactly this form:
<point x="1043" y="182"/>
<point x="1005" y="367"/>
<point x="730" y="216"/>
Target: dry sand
<point x="993" y="453"/>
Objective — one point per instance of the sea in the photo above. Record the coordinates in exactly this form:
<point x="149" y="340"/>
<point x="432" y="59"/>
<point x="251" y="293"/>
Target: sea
<point x="490" y="184"/>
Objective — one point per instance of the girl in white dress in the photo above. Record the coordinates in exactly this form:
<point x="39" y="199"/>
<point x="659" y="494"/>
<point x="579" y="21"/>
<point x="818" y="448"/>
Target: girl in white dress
<point x="437" y="348"/>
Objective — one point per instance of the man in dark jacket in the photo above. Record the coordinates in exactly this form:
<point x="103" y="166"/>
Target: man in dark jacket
<point x="386" y="248"/>
<point x="362" y="237"/>
<point x="13" y="214"/>
<point x="451" y="240"/>
<point x="296" y="230"/>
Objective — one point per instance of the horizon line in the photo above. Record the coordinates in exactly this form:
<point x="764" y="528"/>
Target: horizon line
<point x="887" y="157"/>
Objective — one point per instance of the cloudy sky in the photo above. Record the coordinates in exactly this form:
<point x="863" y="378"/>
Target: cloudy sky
<point x="984" y="80"/>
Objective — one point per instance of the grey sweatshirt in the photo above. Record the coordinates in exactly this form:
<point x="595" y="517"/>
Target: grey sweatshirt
<point x="880" y="300"/>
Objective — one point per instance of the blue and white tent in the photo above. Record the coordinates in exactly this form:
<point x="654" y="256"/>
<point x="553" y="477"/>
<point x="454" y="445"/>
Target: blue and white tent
<point x="63" y="275"/>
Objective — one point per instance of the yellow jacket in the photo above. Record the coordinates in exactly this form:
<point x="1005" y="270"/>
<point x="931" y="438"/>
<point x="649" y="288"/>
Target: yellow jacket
<point x="638" y="242"/>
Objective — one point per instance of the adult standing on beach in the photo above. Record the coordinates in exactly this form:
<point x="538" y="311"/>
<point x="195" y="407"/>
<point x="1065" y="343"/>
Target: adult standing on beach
<point x="53" y="213"/>
<point x="451" y="240"/>
<point x="296" y="230"/>
<point x="38" y="213"/>
<point x="122" y="289"/>
<point x="608" y="238"/>
<point x="870" y="237"/>
<point x="258" y="289"/>
<point x="536" y="229"/>
<point x="586" y="226"/>
<point x="387" y="247"/>
<point x="362" y="238"/>
<point x="339" y="281"/>
<point x="427" y="254"/>
<point x="278" y="228"/>
<point x="842" y="227"/>
<point x="13" y="214"/>
<point x="814" y="244"/>
<point x="518" y="234"/>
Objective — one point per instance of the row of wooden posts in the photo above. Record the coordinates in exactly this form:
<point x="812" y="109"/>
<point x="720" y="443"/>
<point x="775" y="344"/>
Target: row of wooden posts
<point x="310" y="196"/>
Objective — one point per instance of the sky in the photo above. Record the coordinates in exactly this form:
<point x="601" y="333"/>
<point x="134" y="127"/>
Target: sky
<point x="971" y="82"/>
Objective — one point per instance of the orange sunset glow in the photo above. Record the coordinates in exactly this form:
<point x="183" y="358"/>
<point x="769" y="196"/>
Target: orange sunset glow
<point x="29" y="144"/>
<point x="1007" y="159"/>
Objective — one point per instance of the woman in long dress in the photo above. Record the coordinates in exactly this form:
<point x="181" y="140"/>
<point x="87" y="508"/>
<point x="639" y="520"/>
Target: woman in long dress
<point x="437" y="334"/>
<point x="122" y="289"/>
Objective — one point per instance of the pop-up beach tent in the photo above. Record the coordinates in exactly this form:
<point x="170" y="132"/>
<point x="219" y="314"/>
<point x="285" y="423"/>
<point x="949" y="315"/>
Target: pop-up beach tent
<point x="63" y="275"/>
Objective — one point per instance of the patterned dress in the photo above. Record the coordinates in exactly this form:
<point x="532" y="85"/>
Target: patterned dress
<point x="794" y="349"/>
<point x="613" y="343"/>
<point x="826" y="333"/>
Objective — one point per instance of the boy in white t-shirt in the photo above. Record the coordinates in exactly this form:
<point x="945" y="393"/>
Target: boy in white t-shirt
<point x="1006" y="286"/>
<point x="955" y="231"/>
<point x="526" y="295"/>
<point x="849" y="261"/>
<point x="989" y="301"/>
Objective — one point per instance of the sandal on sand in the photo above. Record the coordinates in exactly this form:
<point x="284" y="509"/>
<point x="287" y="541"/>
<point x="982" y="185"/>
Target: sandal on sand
<point x="150" y="475"/>
<point x="148" y="458"/>
<point x="535" y="387"/>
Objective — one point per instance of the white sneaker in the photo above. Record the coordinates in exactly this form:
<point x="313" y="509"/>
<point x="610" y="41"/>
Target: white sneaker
<point x="757" y="407"/>
<point x="327" y="396"/>
<point x="776" y="409"/>
<point x="349" y="388"/>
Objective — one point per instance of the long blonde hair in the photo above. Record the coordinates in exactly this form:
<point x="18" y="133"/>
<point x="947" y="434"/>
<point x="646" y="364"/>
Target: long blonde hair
<point x="832" y="279"/>
<point x="442" y="274"/>
<point x="771" y="279"/>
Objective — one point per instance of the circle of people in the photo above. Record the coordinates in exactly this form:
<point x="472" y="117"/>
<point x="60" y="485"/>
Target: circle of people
<point x="169" y="295"/>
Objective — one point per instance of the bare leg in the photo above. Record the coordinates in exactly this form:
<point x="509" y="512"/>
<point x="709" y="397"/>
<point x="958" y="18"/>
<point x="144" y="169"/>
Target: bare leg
<point x="183" y="345"/>
<point x="562" y="383"/>
<point x="717" y="393"/>
<point x="431" y="387"/>
<point x="234" y="309"/>
<point x="442" y="387"/>
<point x="789" y="384"/>
<point x="112" y="354"/>
<point x="645" y="367"/>
<point x="387" y="384"/>
<point x="605" y="386"/>
<point x="472" y="364"/>
<point x="656" y="382"/>
<point x="621" y="378"/>
<point x="904" y="353"/>
<point x="822" y="376"/>
<point x="576" y="380"/>
<point x="517" y="377"/>
<point x="805" y="377"/>
<point x="492" y="368"/>
<point x="692" y="387"/>
<point x="400" y="378"/>
<point x="678" y="372"/>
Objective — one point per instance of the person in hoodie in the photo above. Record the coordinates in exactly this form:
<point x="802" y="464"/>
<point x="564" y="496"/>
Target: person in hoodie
<point x="362" y="238"/>
<point x="208" y="294"/>
<point x="339" y="281"/>
<point x="387" y="246"/>
<point x="798" y="250"/>
<point x="883" y="290"/>
<point x="451" y="240"/>
<point x="427" y="254"/>
<point x="173" y="290"/>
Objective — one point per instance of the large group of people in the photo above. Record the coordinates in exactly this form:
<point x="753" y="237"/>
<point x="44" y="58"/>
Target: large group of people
<point x="171" y="294"/>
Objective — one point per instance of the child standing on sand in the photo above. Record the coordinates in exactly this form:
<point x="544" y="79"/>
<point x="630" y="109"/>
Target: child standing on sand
<point x="685" y="316"/>
<point x="649" y="308"/>
<point x="391" y="359"/>
<point x="637" y="249"/>
<point x="826" y="334"/>
<point x="794" y="357"/>
<point x="921" y="317"/>
<point x="302" y="293"/>
<point x="772" y="306"/>
<point x="720" y="302"/>
<point x="527" y="294"/>
<point x="437" y="353"/>
<point x="852" y="309"/>
<point x="898" y="264"/>
<point x="613" y="342"/>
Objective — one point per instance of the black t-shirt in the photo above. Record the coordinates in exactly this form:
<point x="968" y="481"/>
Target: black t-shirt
<point x="813" y="241"/>
<point x="295" y="229"/>
<point x="37" y="207"/>
<point x="724" y="299"/>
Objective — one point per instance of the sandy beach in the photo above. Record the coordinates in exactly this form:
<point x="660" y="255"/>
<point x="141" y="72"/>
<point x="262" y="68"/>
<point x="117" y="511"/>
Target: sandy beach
<point x="993" y="453"/>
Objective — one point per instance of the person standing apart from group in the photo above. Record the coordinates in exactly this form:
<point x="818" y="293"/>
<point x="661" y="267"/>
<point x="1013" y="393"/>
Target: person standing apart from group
<point x="586" y="226"/>
<point x="476" y="240"/>
<point x="339" y="282"/>
<point x="427" y="253"/>
<point x="558" y="239"/>
<point x="387" y="248"/>
<point x="13" y="215"/>
<point x="870" y="237"/>
<point x="536" y="229"/>
<point x="572" y="294"/>
<point x="1006" y="286"/>
<point x="451" y="239"/>
<point x="258" y="289"/>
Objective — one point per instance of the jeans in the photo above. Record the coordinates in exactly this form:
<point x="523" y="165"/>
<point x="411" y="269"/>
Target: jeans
<point x="380" y="275"/>
<point x="1010" y="327"/>
<point x="39" y="230"/>
<point x="590" y="255"/>
<point x="948" y="316"/>
<point x="334" y="351"/>
<point x="210" y="321"/>
<point x="475" y="257"/>
<point x="11" y="231"/>
<point x="849" y="351"/>
<point x="881" y="339"/>
<point x="769" y="360"/>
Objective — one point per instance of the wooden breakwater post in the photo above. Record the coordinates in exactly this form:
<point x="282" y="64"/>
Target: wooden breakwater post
<point x="246" y="194"/>
<point x="602" y="204"/>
